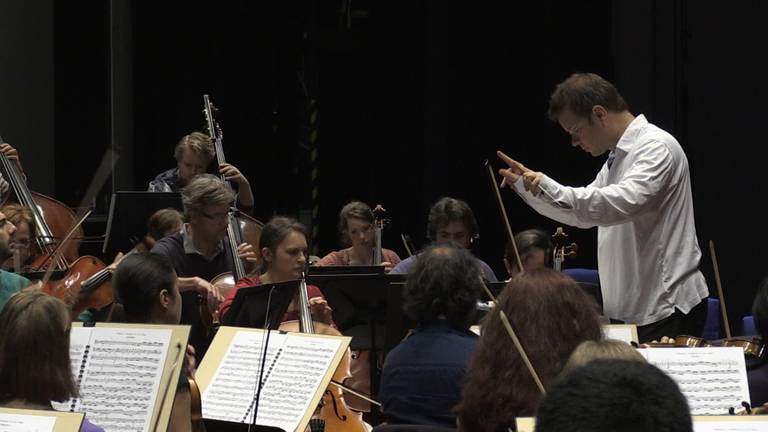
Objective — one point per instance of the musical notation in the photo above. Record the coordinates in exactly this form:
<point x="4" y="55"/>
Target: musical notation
<point x="118" y="372"/>
<point x="294" y="368"/>
<point x="712" y="379"/>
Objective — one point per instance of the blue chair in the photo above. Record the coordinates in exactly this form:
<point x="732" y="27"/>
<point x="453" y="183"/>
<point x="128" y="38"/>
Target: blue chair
<point x="711" y="329"/>
<point x="748" y="326"/>
<point x="589" y="280"/>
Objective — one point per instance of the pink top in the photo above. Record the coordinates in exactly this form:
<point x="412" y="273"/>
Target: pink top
<point x="341" y="258"/>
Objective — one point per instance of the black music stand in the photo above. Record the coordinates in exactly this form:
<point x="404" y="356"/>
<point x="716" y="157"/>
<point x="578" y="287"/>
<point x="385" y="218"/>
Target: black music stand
<point x="249" y="308"/>
<point x="366" y="303"/>
<point x="128" y="215"/>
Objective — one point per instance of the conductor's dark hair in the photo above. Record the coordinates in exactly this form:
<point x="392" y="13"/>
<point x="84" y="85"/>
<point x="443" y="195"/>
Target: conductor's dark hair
<point x="445" y="282"/>
<point x="614" y="395"/>
<point x="447" y="210"/>
<point x="139" y="279"/>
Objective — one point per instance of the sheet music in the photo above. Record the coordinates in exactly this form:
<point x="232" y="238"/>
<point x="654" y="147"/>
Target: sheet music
<point x="26" y="423"/>
<point x="622" y="333"/>
<point x="729" y="426"/>
<point x="119" y="372"/>
<point x="700" y="424"/>
<point x="712" y="379"/>
<point x="294" y="368"/>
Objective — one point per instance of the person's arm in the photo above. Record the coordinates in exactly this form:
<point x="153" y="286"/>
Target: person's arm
<point x="13" y="155"/>
<point x="245" y="198"/>
<point x="643" y="184"/>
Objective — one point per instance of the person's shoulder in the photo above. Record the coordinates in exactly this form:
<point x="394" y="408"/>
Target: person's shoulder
<point x="169" y="244"/>
<point x="332" y="258"/>
<point x="10" y="280"/>
<point x="248" y="281"/>
<point x="405" y="265"/>
<point x="390" y="256"/>
<point x="166" y="181"/>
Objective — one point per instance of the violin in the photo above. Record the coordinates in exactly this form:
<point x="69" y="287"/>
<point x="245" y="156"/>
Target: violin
<point x="52" y="219"/>
<point x="333" y="410"/>
<point x="562" y="250"/>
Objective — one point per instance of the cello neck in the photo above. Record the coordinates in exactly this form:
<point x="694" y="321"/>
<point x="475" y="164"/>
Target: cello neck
<point x="235" y="238"/>
<point x="305" y="317"/>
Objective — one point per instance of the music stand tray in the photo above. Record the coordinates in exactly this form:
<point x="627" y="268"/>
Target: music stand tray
<point x="249" y="308"/>
<point x="128" y="215"/>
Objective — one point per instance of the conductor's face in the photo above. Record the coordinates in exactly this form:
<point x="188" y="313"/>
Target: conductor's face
<point x="586" y="132"/>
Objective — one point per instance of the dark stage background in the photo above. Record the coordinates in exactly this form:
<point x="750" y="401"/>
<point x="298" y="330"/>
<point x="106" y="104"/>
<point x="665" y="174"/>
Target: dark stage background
<point x="410" y="98"/>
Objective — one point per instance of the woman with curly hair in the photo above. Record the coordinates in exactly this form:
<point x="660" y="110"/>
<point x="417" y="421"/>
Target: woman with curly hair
<point x="421" y="380"/>
<point x="551" y="315"/>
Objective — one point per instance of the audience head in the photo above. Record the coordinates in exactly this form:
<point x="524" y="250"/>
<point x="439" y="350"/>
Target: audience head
<point x="551" y="315"/>
<point x="34" y="350"/>
<point x="614" y="395"/>
<point x="445" y="283"/>
<point x="146" y="285"/>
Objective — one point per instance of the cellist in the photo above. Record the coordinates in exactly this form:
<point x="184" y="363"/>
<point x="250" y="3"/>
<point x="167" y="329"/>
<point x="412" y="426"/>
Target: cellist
<point x="194" y="154"/>
<point x="10" y="283"/>
<point x="199" y="251"/>
<point x="13" y="155"/>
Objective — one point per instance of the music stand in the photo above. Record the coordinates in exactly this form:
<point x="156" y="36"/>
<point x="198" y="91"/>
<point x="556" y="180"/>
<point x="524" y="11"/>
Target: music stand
<point x="128" y="215"/>
<point x="249" y="308"/>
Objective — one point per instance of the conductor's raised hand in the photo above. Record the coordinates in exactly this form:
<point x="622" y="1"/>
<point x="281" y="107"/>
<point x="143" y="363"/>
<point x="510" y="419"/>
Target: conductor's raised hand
<point x="515" y="170"/>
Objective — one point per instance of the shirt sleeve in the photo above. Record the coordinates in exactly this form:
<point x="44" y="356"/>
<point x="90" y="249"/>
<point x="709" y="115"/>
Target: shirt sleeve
<point x="598" y="204"/>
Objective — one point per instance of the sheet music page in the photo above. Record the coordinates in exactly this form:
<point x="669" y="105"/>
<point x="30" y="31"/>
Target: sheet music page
<point x="729" y="426"/>
<point x="712" y="379"/>
<point x="26" y="423"/>
<point x="295" y="367"/>
<point x="619" y="332"/>
<point x="79" y="337"/>
<point x="120" y="377"/>
<point x="230" y="395"/>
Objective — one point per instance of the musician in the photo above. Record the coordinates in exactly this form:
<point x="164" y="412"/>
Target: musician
<point x="35" y="367"/>
<point x="283" y="246"/>
<point x="589" y="351"/>
<point x="162" y="223"/>
<point x="450" y="220"/>
<point x="615" y="395"/>
<point x="535" y="249"/>
<point x="356" y="225"/>
<point x="147" y="285"/>
<point x="10" y="283"/>
<point x="194" y="153"/>
<point x="422" y="376"/>
<point x="199" y="253"/>
<point x="641" y="201"/>
<point x="551" y="315"/>
<point x="757" y="369"/>
<point x="21" y="240"/>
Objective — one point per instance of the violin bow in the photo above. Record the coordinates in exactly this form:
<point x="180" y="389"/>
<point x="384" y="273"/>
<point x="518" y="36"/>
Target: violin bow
<point x="502" y="315"/>
<point x="720" y="289"/>
<point x="504" y="218"/>
<point x="97" y="182"/>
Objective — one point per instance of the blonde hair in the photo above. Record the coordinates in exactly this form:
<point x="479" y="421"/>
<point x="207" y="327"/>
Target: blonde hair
<point x="205" y="190"/>
<point x="604" y="349"/>
<point x="197" y="142"/>
<point x="18" y="213"/>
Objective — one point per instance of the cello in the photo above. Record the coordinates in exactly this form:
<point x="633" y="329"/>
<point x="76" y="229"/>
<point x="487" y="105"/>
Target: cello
<point x="52" y="219"/>
<point x="332" y="412"/>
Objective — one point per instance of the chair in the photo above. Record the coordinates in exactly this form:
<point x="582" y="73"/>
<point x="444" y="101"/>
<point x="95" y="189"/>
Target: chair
<point x="410" y="428"/>
<point x="589" y="281"/>
<point x="748" y="326"/>
<point x="711" y="330"/>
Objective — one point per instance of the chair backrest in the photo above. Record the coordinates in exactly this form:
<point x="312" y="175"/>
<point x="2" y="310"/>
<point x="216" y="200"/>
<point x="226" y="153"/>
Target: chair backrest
<point x="748" y="326"/>
<point x="589" y="281"/>
<point x="711" y="329"/>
